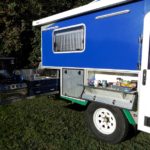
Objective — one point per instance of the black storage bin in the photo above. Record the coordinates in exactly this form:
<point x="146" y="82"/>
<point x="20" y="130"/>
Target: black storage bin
<point x="36" y="87"/>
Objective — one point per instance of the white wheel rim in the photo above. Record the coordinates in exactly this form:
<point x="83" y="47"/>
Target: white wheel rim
<point x="104" y="121"/>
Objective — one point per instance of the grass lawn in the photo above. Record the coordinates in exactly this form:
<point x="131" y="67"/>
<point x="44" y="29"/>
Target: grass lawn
<point x="46" y="124"/>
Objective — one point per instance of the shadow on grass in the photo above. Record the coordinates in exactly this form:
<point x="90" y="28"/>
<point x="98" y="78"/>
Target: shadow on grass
<point x="76" y="107"/>
<point x="133" y="132"/>
<point x="11" y="100"/>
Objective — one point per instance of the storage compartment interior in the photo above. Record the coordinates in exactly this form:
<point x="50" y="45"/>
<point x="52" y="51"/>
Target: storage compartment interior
<point x="112" y="88"/>
<point x="117" y="81"/>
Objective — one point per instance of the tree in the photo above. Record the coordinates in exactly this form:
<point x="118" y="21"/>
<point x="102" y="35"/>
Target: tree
<point x="17" y="33"/>
<point x="17" y="36"/>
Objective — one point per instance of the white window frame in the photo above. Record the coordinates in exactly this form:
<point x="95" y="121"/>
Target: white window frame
<point x="69" y="27"/>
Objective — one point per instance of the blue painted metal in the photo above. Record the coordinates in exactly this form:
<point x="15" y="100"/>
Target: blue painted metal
<point x="111" y="43"/>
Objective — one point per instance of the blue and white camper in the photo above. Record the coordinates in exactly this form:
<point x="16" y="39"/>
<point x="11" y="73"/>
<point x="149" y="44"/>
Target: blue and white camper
<point x="102" y="50"/>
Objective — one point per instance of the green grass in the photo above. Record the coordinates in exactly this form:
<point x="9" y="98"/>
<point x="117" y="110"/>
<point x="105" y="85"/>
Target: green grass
<point x="46" y="124"/>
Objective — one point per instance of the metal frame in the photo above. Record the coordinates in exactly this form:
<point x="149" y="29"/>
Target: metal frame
<point x="114" y="98"/>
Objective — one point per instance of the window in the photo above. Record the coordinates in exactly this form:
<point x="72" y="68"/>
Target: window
<point x="69" y="39"/>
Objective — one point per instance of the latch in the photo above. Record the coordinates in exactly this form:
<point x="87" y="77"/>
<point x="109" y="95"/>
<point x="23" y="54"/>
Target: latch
<point x="144" y="76"/>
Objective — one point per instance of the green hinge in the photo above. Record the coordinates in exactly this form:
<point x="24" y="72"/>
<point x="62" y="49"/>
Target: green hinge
<point x="129" y="117"/>
<point x="81" y="102"/>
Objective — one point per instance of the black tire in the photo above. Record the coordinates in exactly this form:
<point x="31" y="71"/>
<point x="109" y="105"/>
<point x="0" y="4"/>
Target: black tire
<point x="121" y="126"/>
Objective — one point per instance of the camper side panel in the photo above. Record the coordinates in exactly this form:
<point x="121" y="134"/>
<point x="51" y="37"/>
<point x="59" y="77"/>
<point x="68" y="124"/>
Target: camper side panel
<point x="108" y="39"/>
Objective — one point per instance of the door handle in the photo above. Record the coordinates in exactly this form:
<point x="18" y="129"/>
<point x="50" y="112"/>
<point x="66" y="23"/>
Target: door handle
<point x="144" y="76"/>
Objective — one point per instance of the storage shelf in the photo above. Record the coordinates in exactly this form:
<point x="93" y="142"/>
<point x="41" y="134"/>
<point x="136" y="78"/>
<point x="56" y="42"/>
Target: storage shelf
<point x="111" y="89"/>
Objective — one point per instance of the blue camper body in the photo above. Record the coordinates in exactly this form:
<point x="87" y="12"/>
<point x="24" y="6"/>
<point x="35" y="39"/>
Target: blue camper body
<point x="102" y="50"/>
<point x="110" y="43"/>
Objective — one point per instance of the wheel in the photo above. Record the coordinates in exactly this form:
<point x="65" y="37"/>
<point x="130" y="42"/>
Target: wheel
<point x="107" y="123"/>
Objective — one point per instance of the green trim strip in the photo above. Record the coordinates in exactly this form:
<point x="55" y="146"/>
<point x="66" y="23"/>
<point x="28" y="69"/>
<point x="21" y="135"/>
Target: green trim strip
<point x="129" y="117"/>
<point x="84" y="102"/>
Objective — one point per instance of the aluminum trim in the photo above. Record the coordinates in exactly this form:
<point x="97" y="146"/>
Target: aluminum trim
<point x="113" y="14"/>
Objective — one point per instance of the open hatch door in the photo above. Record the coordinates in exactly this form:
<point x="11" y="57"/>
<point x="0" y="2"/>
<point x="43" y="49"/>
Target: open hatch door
<point x="144" y="80"/>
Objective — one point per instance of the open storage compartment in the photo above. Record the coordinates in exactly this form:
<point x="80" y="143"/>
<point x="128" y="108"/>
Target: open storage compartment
<point x="113" y="88"/>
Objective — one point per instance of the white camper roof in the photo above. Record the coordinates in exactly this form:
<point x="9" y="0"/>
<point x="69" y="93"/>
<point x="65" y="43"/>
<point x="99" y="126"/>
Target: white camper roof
<point x="95" y="5"/>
